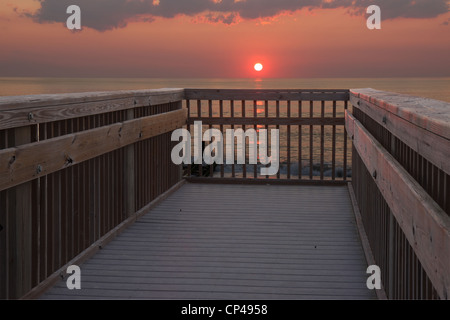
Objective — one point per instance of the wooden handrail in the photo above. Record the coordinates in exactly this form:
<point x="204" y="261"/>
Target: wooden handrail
<point x="424" y="223"/>
<point x="267" y="94"/>
<point x="422" y="124"/>
<point x="27" y="110"/>
<point x="34" y="160"/>
<point x="431" y="115"/>
<point x="288" y="110"/>
<point x="269" y="121"/>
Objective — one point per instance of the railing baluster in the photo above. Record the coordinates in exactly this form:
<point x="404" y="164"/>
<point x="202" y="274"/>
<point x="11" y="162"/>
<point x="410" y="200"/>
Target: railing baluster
<point x="210" y="114"/>
<point x="333" y="146"/>
<point x="255" y="116"/>
<point x="322" y="140"/>
<point x="233" y="172"/>
<point x="345" y="148"/>
<point x="189" y="128"/>
<point x="300" y="142"/>
<point x="222" y="166"/>
<point x="199" y="112"/>
<point x="289" y="141"/>
<point x="244" y="168"/>
<point x="311" y="141"/>
<point x="266" y="112"/>
<point x="278" y="128"/>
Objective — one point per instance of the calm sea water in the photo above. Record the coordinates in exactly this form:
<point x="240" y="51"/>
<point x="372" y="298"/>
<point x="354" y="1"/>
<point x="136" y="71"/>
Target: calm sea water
<point x="434" y="88"/>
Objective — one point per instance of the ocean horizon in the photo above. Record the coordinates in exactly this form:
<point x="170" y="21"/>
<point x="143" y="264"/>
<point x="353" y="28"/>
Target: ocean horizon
<point x="434" y="88"/>
<point x="431" y="87"/>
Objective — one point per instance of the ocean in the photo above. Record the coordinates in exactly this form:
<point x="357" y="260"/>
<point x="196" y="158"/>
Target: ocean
<point x="434" y="88"/>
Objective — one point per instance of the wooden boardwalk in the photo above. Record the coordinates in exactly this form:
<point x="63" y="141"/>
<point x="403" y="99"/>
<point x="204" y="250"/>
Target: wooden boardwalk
<point x="211" y="241"/>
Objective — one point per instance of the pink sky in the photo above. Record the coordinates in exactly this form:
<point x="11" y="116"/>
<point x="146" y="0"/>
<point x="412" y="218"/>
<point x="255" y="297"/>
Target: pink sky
<point x="293" y="43"/>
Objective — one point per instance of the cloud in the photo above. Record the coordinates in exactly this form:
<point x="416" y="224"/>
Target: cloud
<point x="214" y="17"/>
<point x="109" y="14"/>
<point x="446" y="22"/>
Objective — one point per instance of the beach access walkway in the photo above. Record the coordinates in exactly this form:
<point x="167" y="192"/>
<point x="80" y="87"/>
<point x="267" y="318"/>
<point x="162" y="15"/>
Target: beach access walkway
<point x="105" y="181"/>
<point x="233" y="242"/>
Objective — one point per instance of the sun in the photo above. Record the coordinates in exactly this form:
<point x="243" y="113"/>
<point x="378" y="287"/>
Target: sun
<point x="258" y="67"/>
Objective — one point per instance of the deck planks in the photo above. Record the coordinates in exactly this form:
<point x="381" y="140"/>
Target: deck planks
<point x="233" y="242"/>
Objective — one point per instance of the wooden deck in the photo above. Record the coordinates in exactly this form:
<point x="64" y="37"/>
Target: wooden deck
<point x="233" y="242"/>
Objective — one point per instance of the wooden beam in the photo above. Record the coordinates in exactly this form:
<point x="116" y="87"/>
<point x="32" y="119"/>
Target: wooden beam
<point x="424" y="223"/>
<point x="129" y="174"/>
<point x="270" y="181"/>
<point x="30" y="161"/>
<point x="25" y="110"/>
<point x="47" y="100"/>
<point x="268" y="94"/>
<point x="268" y="121"/>
<point x="434" y="147"/>
<point x="431" y="115"/>
<point x="21" y="222"/>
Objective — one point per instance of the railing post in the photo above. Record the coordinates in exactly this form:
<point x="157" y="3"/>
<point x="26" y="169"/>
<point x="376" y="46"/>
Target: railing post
<point x="130" y="196"/>
<point x="171" y="144"/>
<point x="391" y="239"/>
<point x="20" y="232"/>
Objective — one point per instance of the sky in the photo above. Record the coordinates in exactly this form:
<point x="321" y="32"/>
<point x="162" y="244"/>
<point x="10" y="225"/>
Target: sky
<point x="224" y="39"/>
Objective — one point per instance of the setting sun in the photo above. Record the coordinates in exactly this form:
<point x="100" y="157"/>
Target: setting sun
<point x="258" y="67"/>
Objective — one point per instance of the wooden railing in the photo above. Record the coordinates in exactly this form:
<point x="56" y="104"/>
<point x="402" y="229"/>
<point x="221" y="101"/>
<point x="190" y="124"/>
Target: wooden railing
<point x="74" y="169"/>
<point x="313" y="142"/>
<point x="401" y="167"/>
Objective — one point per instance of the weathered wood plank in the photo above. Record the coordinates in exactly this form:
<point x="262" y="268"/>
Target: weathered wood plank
<point x="231" y="94"/>
<point x="197" y="244"/>
<point x="194" y="281"/>
<point x="271" y="181"/>
<point x="191" y="295"/>
<point x="27" y="162"/>
<point x="25" y="110"/>
<point x="21" y="222"/>
<point x="171" y="269"/>
<point x="434" y="147"/>
<point x="46" y="100"/>
<point x="186" y="277"/>
<point x="269" y="121"/>
<point x="424" y="223"/>
<point x="129" y="174"/>
<point x="431" y="115"/>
